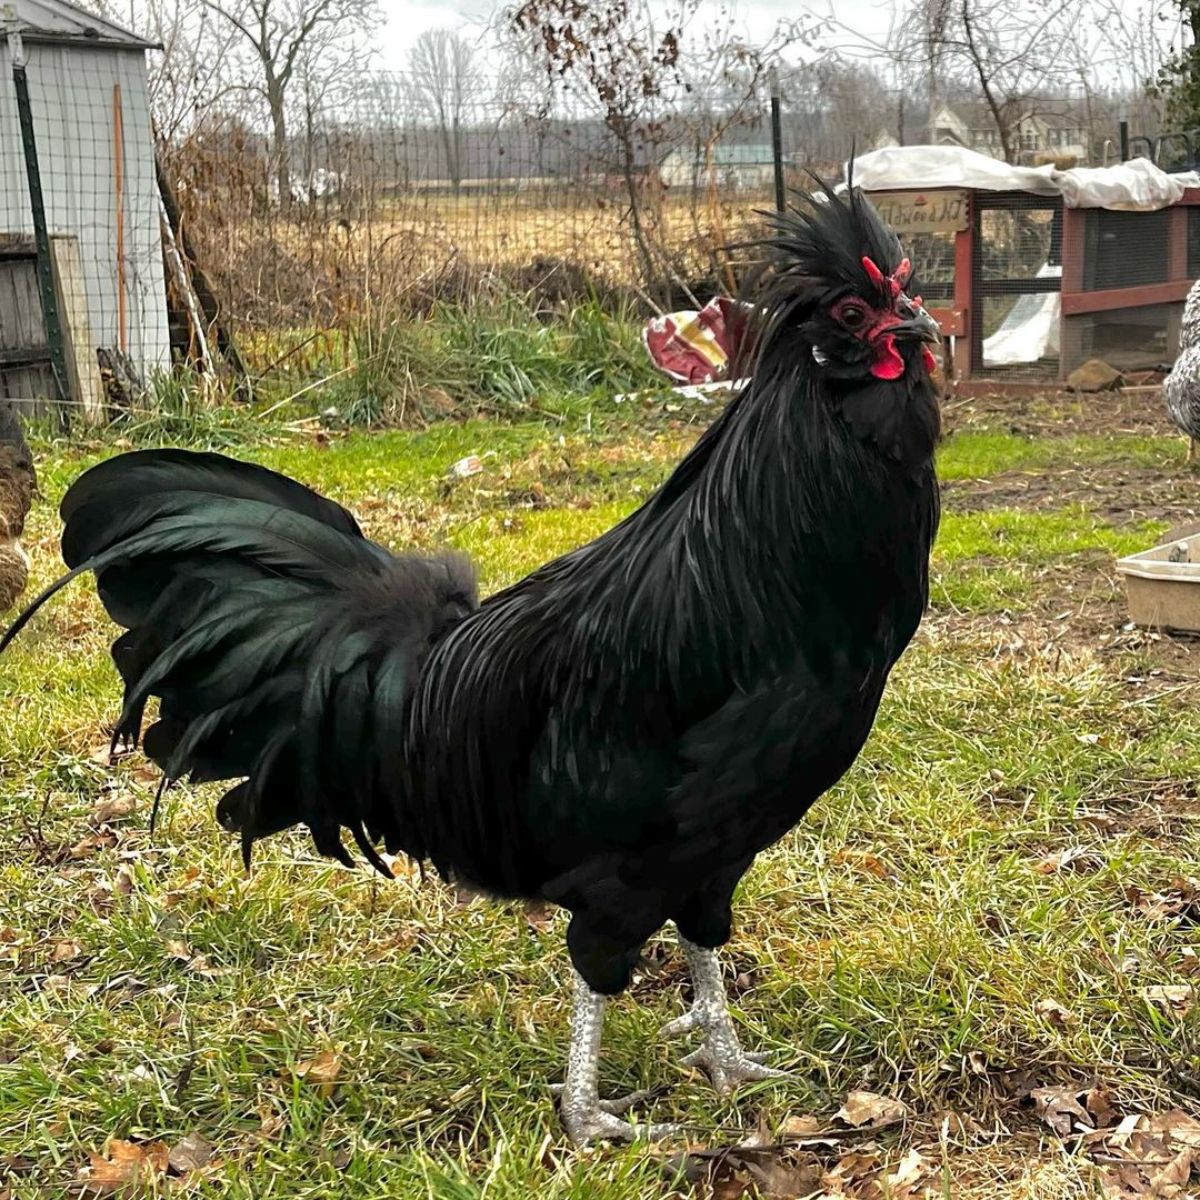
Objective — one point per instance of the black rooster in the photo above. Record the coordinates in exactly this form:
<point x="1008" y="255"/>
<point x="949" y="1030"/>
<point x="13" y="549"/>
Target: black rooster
<point x="619" y="733"/>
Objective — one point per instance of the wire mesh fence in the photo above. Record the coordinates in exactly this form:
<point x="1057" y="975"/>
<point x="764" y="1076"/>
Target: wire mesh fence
<point x="381" y="206"/>
<point x="233" y="237"/>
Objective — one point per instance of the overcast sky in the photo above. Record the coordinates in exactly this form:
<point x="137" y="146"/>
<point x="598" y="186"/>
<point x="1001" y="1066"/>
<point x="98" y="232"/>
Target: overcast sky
<point x="757" y="18"/>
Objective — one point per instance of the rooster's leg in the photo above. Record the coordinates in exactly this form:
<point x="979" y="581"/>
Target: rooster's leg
<point x="720" y="1054"/>
<point x="586" y="1116"/>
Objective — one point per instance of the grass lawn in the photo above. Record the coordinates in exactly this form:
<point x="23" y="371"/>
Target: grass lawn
<point x="995" y="900"/>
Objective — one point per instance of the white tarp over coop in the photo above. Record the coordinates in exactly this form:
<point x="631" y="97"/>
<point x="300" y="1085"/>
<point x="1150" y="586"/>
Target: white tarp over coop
<point x="95" y="145"/>
<point x="1134" y="186"/>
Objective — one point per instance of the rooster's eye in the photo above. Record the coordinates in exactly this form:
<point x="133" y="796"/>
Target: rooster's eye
<point x="851" y="316"/>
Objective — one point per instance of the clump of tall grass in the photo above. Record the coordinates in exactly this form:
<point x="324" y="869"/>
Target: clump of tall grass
<point x="493" y="356"/>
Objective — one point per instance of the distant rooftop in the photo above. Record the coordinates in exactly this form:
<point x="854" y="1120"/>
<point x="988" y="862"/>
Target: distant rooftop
<point x="59" y="21"/>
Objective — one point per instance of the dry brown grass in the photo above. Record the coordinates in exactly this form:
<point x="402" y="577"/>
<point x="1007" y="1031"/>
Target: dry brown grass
<point x="325" y="263"/>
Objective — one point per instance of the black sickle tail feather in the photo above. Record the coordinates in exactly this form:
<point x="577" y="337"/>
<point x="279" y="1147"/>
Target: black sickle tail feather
<point x="281" y="643"/>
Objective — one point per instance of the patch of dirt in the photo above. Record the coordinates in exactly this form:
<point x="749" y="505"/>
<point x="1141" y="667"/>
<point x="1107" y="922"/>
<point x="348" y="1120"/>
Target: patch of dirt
<point x="1083" y="618"/>
<point x="1121" y="495"/>
<point x="1060" y="413"/>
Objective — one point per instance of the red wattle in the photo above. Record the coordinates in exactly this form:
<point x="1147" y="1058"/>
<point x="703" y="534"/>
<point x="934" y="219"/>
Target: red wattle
<point x="888" y="364"/>
<point x="930" y="361"/>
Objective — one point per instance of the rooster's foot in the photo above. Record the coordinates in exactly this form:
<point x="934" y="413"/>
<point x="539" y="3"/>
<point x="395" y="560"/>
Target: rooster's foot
<point x="728" y="1065"/>
<point x="587" y="1117"/>
<point x="600" y="1125"/>
<point x="619" y="1105"/>
<point x="720" y="1054"/>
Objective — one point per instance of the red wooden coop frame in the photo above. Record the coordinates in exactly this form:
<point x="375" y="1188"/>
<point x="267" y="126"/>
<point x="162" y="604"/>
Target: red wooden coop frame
<point x="960" y="313"/>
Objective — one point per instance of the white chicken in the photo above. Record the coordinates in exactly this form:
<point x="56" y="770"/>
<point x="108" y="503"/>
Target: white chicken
<point x="1181" y="388"/>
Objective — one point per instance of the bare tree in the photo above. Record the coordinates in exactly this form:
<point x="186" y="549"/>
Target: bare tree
<point x="278" y="35"/>
<point x="440" y="66"/>
<point x="1013" y="50"/>
<point x="616" y="59"/>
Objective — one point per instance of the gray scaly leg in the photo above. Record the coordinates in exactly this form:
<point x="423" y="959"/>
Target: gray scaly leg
<point x="586" y="1116"/>
<point x="720" y="1054"/>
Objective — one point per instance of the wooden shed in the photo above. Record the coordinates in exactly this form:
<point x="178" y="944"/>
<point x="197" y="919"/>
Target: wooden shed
<point x="78" y="84"/>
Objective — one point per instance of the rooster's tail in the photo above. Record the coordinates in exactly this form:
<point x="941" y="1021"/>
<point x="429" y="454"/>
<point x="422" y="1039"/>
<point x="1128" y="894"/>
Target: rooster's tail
<point x="281" y="643"/>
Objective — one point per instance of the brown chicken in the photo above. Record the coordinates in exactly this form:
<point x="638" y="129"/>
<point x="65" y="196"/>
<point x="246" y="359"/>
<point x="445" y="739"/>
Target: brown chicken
<point x="17" y="485"/>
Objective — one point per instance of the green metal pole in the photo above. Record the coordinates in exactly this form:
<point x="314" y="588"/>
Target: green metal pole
<point x="37" y="204"/>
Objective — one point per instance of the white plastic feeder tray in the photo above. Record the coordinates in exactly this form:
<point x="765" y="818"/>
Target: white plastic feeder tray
<point x="1163" y="585"/>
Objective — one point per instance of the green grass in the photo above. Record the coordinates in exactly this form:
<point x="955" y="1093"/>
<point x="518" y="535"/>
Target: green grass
<point x="897" y="940"/>
<point x="980" y="454"/>
<point x="995" y="559"/>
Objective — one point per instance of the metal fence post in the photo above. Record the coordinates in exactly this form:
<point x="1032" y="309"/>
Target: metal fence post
<point x="777" y="140"/>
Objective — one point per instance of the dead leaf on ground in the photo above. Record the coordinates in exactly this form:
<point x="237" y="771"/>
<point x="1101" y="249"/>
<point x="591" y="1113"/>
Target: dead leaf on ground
<point x="1174" y="999"/>
<point x="100" y="897"/>
<point x="1147" y="1157"/>
<point x="1180" y="901"/>
<point x="89" y="845"/>
<point x="1189" y="961"/>
<point x="852" y="1170"/>
<point x="123" y="1165"/>
<point x="1062" y="1110"/>
<point x="734" y="1172"/>
<point x="911" y="1170"/>
<point x="862" y="860"/>
<point x="65" y="950"/>
<point x="1073" y="858"/>
<point x="323" y="1071"/>
<point x="1050" y="1010"/>
<point x="1099" y="1103"/>
<point x="190" y="1153"/>
<point x="540" y="916"/>
<point x="112" y="808"/>
<point x="976" y="1063"/>
<point x="178" y="949"/>
<point x="868" y="1110"/>
<point x="808" y="1130"/>
<point x="105" y="755"/>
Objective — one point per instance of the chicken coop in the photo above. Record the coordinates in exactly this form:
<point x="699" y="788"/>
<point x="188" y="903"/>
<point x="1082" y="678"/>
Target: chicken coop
<point x="1031" y="272"/>
<point x="81" y="262"/>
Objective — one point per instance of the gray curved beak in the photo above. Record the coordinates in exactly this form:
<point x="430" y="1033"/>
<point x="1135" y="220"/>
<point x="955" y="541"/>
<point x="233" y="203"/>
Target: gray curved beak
<point x="922" y="328"/>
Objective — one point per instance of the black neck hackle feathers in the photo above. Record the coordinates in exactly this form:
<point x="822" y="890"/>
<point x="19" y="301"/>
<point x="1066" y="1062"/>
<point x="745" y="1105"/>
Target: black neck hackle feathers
<point x="622" y="731"/>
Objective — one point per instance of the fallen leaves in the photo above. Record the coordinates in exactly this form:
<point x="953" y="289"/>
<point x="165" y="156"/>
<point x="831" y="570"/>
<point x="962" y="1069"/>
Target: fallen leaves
<point x="130" y="1168"/>
<point x="1051" y="1011"/>
<point x="1179" y="902"/>
<point x="1074" y="858"/>
<point x="1173" y="999"/>
<point x="1062" y="1108"/>
<point x="322" y="1071"/>
<point x="736" y="1171"/>
<point x="870" y="1111"/>
<point x="814" y="1159"/>
<point x="190" y="1154"/>
<point x="540" y="916"/>
<point x="88" y="845"/>
<point x="122" y="1166"/>
<point x="1145" y="1157"/>
<point x="1140" y="1157"/>
<point x="113" y="808"/>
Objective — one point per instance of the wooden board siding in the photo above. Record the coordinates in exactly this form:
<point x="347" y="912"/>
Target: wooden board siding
<point x="25" y="372"/>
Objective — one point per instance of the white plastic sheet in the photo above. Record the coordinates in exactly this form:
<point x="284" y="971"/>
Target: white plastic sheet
<point x="1134" y="186"/>
<point x="1030" y="331"/>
